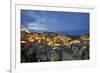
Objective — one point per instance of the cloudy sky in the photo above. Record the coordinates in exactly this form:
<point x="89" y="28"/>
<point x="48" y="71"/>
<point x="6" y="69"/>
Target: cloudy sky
<point x="69" y="22"/>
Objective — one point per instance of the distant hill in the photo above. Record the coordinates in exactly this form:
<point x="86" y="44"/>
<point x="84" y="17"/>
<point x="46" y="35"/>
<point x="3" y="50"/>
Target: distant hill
<point x="73" y="33"/>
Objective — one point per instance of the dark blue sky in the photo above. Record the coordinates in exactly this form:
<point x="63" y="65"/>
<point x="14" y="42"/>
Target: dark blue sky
<point x="50" y="21"/>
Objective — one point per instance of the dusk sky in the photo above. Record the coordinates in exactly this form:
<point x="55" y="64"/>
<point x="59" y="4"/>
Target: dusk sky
<point x="51" y="21"/>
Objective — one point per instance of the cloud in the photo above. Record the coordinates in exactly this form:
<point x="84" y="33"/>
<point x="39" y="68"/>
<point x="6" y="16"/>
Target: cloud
<point x="34" y="20"/>
<point x="23" y="28"/>
<point x="37" y="26"/>
<point x="30" y="16"/>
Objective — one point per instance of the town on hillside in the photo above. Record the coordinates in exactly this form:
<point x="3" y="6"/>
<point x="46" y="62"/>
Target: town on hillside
<point x="51" y="46"/>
